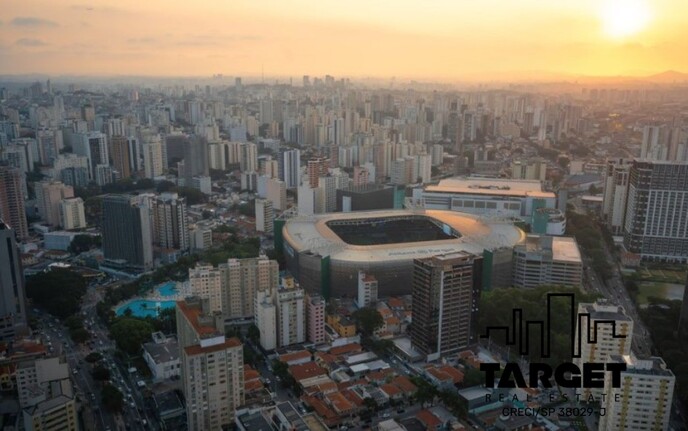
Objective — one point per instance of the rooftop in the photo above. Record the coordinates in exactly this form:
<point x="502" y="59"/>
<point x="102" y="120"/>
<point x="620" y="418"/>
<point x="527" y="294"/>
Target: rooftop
<point x="192" y="310"/>
<point x="491" y="186"/>
<point x="163" y="352"/>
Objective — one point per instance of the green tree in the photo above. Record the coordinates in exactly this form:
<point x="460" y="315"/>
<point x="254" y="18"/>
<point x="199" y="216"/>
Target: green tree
<point x="101" y="373"/>
<point x="82" y="243"/>
<point x="79" y="335"/>
<point x="370" y="404"/>
<point x="129" y="333"/>
<point x="253" y="334"/>
<point x="74" y="322"/>
<point x="112" y="398"/>
<point x="59" y="291"/>
<point x="368" y="320"/>
<point x="93" y="357"/>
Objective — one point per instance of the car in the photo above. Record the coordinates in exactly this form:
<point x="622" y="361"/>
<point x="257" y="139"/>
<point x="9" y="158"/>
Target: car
<point x="400" y="410"/>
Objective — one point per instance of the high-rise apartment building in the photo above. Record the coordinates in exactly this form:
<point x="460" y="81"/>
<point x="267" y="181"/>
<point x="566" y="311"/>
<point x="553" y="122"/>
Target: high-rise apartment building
<point x="12" y="294"/>
<point x="656" y="222"/>
<point x="49" y="194"/>
<point x="265" y="318"/>
<point x="231" y="286"/>
<point x="543" y="259"/>
<point x="120" y="155"/>
<point x="12" y="201"/>
<point x="290" y="168"/>
<point x="317" y="167"/>
<point x="445" y="290"/>
<point x="72" y="215"/>
<point x="315" y="318"/>
<point x="532" y="169"/>
<point x="127" y="231"/>
<point x="291" y="313"/>
<point x="170" y="222"/>
<point x="206" y="283"/>
<point x="265" y="216"/>
<point x="93" y="146"/>
<point x="367" y="289"/>
<point x="615" y="194"/>
<point x="644" y="399"/>
<point x="153" y="156"/>
<point x="212" y="367"/>
<point x="614" y="331"/>
<point x="276" y="192"/>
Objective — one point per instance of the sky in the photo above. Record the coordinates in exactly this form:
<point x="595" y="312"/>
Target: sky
<point x="423" y="39"/>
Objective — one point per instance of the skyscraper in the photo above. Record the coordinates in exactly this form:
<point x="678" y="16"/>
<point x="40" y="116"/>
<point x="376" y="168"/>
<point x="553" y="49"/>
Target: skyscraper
<point x="291" y="313"/>
<point x="265" y="216"/>
<point x="446" y="289"/>
<point x="126" y="230"/>
<point x="656" y="225"/>
<point x="212" y="367"/>
<point x="12" y="201"/>
<point x="615" y="194"/>
<point x="152" y="156"/>
<point x="120" y="155"/>
<point x="12" y="301"/>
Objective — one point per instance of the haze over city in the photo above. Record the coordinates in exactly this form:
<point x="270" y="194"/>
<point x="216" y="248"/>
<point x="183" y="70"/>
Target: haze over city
<point x="439" y="40"/>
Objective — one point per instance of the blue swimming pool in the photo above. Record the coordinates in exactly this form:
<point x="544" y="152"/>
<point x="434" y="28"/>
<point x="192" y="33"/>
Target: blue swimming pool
<point x="168" y="289"/>
<point x="144" y="307"/>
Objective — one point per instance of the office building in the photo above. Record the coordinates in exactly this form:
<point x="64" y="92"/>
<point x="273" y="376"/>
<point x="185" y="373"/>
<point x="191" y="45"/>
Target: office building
<point x="615" y="194"/>
<point x="265" y="216"/>
<point x="543" y="259"/>
<point x="644" y="400"/>
<point x="367" y="290"/>
<point x="72" y="215"/>
<point x="212" y="367"/>
<point x="494" y="196"/>
<point x="49" y="194"/>
<point x="614" y="331"/>
<point x="12" y="293"/>
<point x="12" y="211"/>
<point x="446" y="290"/>
<point x="171" y="229"/>
<point x="291" y="313"/>
<point x="290" y="168"/>
<point x="315" y="318"/>
<point x="656" y="225"/>
<point x="93" y="146"/>
<point x="127" y="231"/>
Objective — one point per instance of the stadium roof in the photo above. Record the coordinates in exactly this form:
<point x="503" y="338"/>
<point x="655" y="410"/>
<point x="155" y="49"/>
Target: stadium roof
<point x="311" y="234"/>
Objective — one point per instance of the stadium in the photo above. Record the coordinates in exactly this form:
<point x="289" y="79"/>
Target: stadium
<point x="326" y="251"/>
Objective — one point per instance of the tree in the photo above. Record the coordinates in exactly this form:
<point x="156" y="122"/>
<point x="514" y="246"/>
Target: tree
<point x="425" y="392"/>
<point x="370" y="404"/>
<point x="93" y="357"/>
<point x="60" y="302"/>
<point x="101" y="373"/>
<point x="112" y="398"/>
<point x="74" y="322"/>
<point x="82" y="243"/>
<point x="129" y="333"/>
<point x="79" y="335"/>
<point x="253" y="334"/>
<point x="368" y="320"/>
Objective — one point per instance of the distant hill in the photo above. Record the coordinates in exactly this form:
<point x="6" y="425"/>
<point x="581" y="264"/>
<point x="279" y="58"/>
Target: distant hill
<point x="667" y="77"/>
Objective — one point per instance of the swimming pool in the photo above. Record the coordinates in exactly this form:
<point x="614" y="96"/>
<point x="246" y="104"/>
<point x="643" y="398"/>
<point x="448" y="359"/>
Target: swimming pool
<point x="168" y="289"/>
<point x="144" y="307"/>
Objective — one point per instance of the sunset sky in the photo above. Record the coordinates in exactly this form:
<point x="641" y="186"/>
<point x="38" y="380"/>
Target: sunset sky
<point x="433" y="39"/>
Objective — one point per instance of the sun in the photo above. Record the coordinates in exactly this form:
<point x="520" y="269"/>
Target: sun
<point x="624" y="18"/>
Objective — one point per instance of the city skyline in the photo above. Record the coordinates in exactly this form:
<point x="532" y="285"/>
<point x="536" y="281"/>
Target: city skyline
<point x="445" y="41"/>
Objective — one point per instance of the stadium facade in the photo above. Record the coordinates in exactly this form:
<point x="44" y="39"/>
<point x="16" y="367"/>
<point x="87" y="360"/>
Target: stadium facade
<point x="326" y="251"/>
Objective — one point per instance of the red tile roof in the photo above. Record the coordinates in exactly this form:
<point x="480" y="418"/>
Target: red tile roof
<point x="428" y="419"/>
<point x="346" y="348"/>
<point x="306" y="371"/>
<point x="198" y="350"/>
<point x="295" y="356"/>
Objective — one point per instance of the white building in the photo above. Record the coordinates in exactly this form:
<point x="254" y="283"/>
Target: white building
<point x="291" y="314"/>
<point x="162" y="356"/>
<point x="367" y="289"/>
<point x="72" y="213"/>
<point x="152" y="150"/>
<point x="494" y="196"/>
<point x="49" y="194"/>
<point x="266" y="319"/>
<point x="644" y="399"/>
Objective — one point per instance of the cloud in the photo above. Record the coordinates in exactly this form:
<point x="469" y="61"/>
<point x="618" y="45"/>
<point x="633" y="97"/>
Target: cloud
<point x="31" y="21"/>
<point x="103" y="9"/>
<point x="25" y="41"/>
